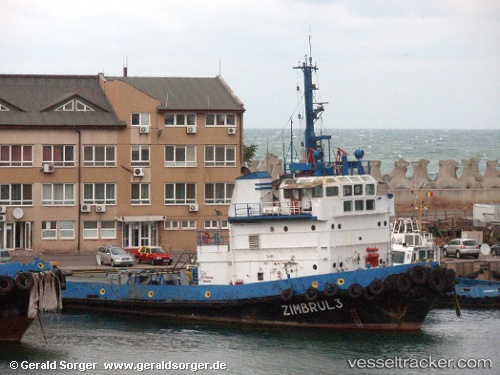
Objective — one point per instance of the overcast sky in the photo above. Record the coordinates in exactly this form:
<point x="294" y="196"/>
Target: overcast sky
<point x="382" y="64"/>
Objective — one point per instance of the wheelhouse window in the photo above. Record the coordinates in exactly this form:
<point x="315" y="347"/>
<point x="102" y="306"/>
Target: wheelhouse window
<point x="140" y="156"/>
<point x="16" y="194"/>
<point x="370" y="204"/>
<point x="99" y="156"/>
<point x="220" y="119"/>
<point x="347" y="190"/>
<point x="358" y="189"/>
<point x="180" y="156"/>
<point x="140" y="119"/>
<point x="370" y="189"/>
<point x="220" y="156"/>
<point x="332" y="191"/>
<point x="58" y="194"/>
<point x="59" y="155"/>
<point x="16" y="156"/>
<point x="180" y="119"/>
<point x="140" y="194"/>
<point x="218" y="193"/>
<point x="180" y="193"/>
<point x="347" y="206"/>
<point x="99" y="193"/>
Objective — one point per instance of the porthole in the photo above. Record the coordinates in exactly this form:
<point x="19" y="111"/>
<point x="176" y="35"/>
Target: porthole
<point x="379" y="223"/>
<point x="334" y="264"/>
<point x="315" y="267"/>
<point x="385" y="223"/>
<point x="285" y="228"/>
<point x="339" y="226"/>
<point x="332" y="226"/>
<point x="313" y="227"/>
<point x="341" y="264"/>
<point x="271" y="229"/>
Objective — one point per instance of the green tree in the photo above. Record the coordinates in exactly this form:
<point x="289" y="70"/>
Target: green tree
<point x="249" y="152"/>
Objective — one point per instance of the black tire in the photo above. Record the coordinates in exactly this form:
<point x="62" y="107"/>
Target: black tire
<point x="403" y="283"/>
<point x="287" y="295"/>
<point x="457" y="254"/>
<point x="6" y="284"/>
<point x="331" y="290"/>
<point x="24" y="281"/>
<point x="112" y="263"/>
<point x="437" y="281"/>
<point x="355" y="291"/>
<point x="311" y="294"/>
<point x="418" y="275"/>
<point x="376" y="287"/>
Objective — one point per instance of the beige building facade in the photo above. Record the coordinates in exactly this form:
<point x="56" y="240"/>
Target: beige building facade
<point x="87" y="161"/>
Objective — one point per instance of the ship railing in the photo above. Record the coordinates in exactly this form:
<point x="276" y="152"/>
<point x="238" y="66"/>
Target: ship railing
<point x="212" y="237"/>
<point x="283" y="208"/>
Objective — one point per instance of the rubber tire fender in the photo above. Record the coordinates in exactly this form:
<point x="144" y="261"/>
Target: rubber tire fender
<point x="355" y="290"/>
<point x="311" y="294"/>
<point x="403" y="283"/>
<point x="24" y="281"/>
<point x="331" y="290"/>
<point x="376" y="287"/>
<point x="418" y="275"/>
<point x="6" y="284"/>
<point x="287" y="294"/>
<point x="437" y="281"/>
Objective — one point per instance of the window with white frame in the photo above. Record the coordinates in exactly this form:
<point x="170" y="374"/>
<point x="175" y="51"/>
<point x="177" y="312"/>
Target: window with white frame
<point x="99" y="156"/>
<point x="99" y="193"/>
<point x="171" y="225"/>
<point x="16" y="194"/>
<point x="218" y="193"/>
<point x="59" y="155"/>
<point x="140" y="194"/>
<point x="16" y="156"/>
<point x="180" y="193"/>
<point x="3" y="108"/>
<point x="180" y="119"/>
<point x="58" y="194"/>
<point x="211" y="224"/>
<point x="140" y="119"/>
<point x="220" y="119"/>
<point x="90" y="231"/>
<point x="108" y="229"/>
<point x="188" y="224"/>
<point x="140" y="156"/>
<point x="74" y="105"/>
<point x="180" y="156"/>
<point x="49" y="230"/>
<point x="220" y="156"/>
<point x="66" y="230"/>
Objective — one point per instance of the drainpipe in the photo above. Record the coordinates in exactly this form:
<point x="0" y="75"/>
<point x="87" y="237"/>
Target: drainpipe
<point x="78" y="225"/>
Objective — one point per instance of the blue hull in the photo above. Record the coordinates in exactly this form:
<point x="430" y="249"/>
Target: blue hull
<point x="376" y="298"/>
<point x="473" y="293"/>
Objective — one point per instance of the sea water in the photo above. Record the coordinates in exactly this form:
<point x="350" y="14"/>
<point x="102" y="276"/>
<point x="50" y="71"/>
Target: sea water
<point x="74" y="343"/>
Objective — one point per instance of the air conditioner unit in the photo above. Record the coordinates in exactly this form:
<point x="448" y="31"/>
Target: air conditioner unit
<point x="231" y="131"/>
<point x="85" y="207"/>
<point x="138" y="172"/>
<point x="144" y="129"/>
<point x="191" y="129"/>
<point x="48" y="168"/>
<point x="100" y="208"/>
<point x="194" y="207"/>
<point x="3" y="218"/>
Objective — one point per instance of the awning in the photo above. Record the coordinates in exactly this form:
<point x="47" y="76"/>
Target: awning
<point x="303" y="185"/>
<point x="129" y="219"/>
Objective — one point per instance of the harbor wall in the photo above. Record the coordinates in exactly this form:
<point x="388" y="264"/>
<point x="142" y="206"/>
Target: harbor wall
<point x="477" y="269"/>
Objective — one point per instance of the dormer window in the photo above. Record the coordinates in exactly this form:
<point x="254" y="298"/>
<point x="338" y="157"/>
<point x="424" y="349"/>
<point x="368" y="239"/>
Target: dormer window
<point x="74" y="105"/>
<point x="4" y="108"/>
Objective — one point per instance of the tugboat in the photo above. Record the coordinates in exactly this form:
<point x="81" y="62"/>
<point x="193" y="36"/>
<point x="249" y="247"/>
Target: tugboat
<point x="310" y="250"/>
<point x="26" y="290"/>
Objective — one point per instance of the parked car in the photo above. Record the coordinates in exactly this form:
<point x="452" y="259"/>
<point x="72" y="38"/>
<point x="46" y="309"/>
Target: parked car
<point x="4" y="256"/>
<point x="153" y="255"/>
<point x="114" y="256"/>
<point x="459" y="247"/>
<point x="495" y="249"/>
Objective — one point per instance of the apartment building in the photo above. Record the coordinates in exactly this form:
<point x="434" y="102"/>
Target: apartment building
<point x="87" y="161"/>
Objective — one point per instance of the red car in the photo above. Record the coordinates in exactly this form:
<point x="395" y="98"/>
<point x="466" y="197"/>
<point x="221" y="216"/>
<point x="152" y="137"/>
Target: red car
<point x="153" y="255"/>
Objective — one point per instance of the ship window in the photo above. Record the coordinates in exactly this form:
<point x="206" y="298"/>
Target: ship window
<point x="318" y="191"/>
<point x="253" y="241"/>
<point x="359" y="205"/>
<point x="347" y="189"/>
<point x="313" y="227"/>
<point x="385" y="223"/>
<point x="339" y="226"/>
<point x="260" y="276"/>
<point x="315" y="267"/>
<point x="347" y="206"/>
<point x="333" y="226"/>
<point x="332" y="191"/>
<point x="358" y="189"/>
<point x="370" y="189"/>
<point x="370" y="204"/>
<point x="334" y="265"/>
<point x="285" y="228"/>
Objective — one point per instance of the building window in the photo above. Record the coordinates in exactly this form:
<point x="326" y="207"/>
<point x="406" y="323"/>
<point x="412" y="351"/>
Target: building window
<point x="211" y="224"/>
<point x="180" y="119"/>
<point x="171" y="225"/>
<point x="99" y="156"/>
<point x="220" y="119"/>
<point x="220" y="156"/>
<point x="108" y="229"/>
<point x="90" y="231"/>
<point x="140" y="119"/>
<point x="3" y="108"/>
<point x="16" y="194"/>
<point x="99" y="193"/>
<point x="16" y="156"/>
<point x="188" y="224"/>
<point x="66" y="230"/>
<point x="59" y="155"/>
<point x="180" y="156"/>
<point x="218" y="193"/>
<point x="180" y="193"/>
<point x="58" y="194"/>
<point x="140" y="156"/>
<point x="74" y="105"/>
<point x="140" y="194"/>
<point x="49" y="230"/>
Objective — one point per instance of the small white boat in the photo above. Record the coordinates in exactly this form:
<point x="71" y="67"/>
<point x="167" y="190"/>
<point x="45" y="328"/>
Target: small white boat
<point x="409" y="244"/>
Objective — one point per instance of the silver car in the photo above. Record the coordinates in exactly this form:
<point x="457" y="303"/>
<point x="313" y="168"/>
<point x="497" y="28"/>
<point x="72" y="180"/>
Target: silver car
<point x="114" y="256"/>
<point x="460" y="247"/>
